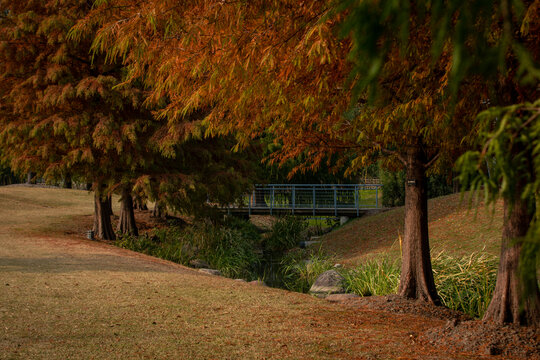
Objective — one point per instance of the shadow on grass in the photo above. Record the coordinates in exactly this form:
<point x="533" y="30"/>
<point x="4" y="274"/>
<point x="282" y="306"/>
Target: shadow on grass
<point x="75" y="263"/>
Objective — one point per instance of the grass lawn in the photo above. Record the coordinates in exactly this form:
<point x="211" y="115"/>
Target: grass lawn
<point x="453" y="228"/>
<point x="65" y="297"/>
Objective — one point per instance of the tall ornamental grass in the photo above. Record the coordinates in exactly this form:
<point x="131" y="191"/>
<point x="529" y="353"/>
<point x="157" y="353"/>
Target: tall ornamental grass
<point x="464" y="284"/>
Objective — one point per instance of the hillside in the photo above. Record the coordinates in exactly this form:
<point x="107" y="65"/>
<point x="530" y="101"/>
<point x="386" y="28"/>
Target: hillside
<point x="453" y="228"/>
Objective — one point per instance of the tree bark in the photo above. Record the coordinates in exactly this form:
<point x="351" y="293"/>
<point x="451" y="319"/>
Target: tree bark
<point x="109" y="205"/>
<point x="102" y="218"/>
<point x="126" y="222"/>
<point x="416" y="281"/>
<point x="508" y="304"/>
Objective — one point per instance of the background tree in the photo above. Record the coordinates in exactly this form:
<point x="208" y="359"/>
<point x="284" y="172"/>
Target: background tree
<point x="65" y="115"/>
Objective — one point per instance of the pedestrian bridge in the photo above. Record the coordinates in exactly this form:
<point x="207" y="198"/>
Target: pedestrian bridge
<point x="350" y="200"/>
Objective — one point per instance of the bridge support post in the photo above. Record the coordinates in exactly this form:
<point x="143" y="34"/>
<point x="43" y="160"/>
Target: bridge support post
<point x="356" y="205"/>
<point x="313" y="200"/>
<point x="335" y="201"/>
<point x="293" y="198"/>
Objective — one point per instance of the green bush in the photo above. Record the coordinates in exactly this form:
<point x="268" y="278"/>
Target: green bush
<point x="231" y="249"/>
<point x="393" y="188"/>
<point x="299" y="269"/>
<point x="286" y="233"/>
<point x="374" y="277"/>
<point x="465" y="284"/>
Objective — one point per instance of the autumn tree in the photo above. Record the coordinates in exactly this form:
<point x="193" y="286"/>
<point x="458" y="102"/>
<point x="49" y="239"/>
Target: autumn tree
<point x="65" y="115"/>
<point x="280" y="68"/>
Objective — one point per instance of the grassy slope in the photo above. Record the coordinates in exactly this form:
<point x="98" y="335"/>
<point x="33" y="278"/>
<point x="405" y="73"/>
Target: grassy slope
<point x="453" y="228"/>
<point x="62" y="296"/>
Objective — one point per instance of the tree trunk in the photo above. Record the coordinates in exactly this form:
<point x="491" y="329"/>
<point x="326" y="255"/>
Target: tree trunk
<point x="31" y="178"/>
<point x="102" y="218"/>
<point x="508" y="304"/>
<point x="126" y="222"/>
<point x="109" y="204"/>
<point x="68" y="184"/>
<point x="416" y="281"/>
<point x="139" y="204"/>
<point x="159" y="210"/>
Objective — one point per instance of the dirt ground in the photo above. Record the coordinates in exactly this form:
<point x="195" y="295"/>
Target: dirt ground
<point x="63" y="296"/>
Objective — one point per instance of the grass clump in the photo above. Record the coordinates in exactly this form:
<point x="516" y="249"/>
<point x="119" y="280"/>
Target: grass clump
<point x="378" y="276"/>
<point x="467" y="283"/>
<point x="230" y="248"/>
<point x="286" y="233"/>
<point x="300" y="268"/>
<point x="463" y="283"/>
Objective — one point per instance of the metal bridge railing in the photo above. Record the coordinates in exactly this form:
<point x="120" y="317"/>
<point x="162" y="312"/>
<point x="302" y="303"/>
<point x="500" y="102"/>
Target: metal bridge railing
<point x="313" y="196"/>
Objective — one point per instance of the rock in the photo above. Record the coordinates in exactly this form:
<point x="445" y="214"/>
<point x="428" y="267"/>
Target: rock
<point x="210" y="271"/>
<point x="329" y="282"/>
<point x="334" y="298"/>
<point x="258" y="282"/>
<point x="337" y="266"/>
<point x="343" y="220"/>
<point x="198" y="264"/>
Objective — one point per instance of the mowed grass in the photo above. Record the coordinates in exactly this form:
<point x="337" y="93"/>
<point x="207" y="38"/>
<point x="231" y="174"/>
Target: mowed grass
<point x="455" y="228"/>
<point x="65" y="297"/>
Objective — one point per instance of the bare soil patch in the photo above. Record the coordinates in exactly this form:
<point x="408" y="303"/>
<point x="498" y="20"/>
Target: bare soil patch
<point x="455" y="330"/>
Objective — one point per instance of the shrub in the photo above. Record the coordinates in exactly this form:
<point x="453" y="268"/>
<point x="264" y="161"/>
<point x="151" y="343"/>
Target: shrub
<point x="231" y="249"/>
<point x="465" y="284"/>
<point x="299" y="269"/>
<point x="375" y="277"/>
<point x="286" y="233"/>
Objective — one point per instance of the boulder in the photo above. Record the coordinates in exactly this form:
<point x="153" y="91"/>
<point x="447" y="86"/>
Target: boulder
<point x="210" y="271"/>
<point x="329" y="282"/>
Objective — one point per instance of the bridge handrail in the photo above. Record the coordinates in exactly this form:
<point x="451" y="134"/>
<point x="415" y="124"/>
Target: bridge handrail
<point x="313" y="196"/>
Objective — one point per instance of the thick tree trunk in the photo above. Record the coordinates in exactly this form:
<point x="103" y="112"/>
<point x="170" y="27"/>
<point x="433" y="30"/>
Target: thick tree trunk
<point x="507" y="304"/>
<point x="102" y="219"/>
<point x="416" y="279"/>
<point x="126" y="222"/>
<point x="109" y="205"/>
